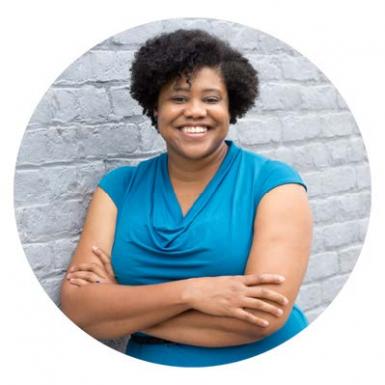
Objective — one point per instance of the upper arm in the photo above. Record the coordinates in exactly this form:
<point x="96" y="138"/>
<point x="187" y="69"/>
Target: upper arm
<point x="282" y="240"/>
<point x="98" y="230"/>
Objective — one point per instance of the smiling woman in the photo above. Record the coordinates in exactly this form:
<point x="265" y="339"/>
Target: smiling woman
<point x="194" y="118"/>
<point x="201" y="250"/>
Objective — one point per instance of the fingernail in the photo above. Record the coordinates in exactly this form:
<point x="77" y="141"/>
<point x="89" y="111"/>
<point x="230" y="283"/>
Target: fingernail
<point x="94" y="248"/>
<point x="279" y="312"/>
<point x="265" y="323"/>
<point x="281" y="278"/>
<point x="68" y="276"/>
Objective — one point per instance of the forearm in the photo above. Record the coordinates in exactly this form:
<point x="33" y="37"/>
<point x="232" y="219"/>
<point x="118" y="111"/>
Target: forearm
<point x="195" y="328"/>
<point x="112" y="310"/>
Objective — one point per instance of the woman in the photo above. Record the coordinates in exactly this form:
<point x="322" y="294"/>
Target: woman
<point x="208" y="242"/>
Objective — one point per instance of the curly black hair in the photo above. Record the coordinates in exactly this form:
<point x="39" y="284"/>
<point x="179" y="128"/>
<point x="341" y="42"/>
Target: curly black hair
<point x="180" y="53"/>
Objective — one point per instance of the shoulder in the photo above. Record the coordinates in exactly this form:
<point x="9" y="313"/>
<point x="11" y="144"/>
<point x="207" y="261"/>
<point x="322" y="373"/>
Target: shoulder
<point x="116" y="181"/>
<point x="269" y="173"/>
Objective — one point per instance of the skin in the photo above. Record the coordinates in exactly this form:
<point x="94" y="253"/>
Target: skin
<point x="214" y="311"/>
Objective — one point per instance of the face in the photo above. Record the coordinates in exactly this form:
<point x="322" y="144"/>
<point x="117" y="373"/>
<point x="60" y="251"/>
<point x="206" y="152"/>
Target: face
<point x="194" y="118"/>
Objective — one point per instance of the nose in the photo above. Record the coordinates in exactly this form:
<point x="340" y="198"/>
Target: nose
<point x="195" y="109"/>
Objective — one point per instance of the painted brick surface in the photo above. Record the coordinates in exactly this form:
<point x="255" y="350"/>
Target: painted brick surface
<point x="87" y="124"/>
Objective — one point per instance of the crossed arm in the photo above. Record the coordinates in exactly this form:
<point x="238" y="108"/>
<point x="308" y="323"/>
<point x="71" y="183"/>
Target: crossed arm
<point x="215" y="311"/>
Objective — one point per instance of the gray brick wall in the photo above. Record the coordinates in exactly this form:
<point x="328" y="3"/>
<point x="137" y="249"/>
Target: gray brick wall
<point x="87" y="124"/>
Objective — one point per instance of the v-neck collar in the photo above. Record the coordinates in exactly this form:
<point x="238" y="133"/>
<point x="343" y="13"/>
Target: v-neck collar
<point x="208" y="190"/>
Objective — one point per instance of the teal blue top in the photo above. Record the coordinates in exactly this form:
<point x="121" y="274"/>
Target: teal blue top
<point x="154" y="242"/>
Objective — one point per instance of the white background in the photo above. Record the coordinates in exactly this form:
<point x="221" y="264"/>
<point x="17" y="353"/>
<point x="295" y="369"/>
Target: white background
<point x="345" y="39"/>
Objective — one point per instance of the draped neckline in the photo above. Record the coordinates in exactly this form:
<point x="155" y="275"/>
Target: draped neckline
<point x="207" y="192"/>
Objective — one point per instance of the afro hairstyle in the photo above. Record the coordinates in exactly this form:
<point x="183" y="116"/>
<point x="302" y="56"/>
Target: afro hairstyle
<point x="182" y="52"/>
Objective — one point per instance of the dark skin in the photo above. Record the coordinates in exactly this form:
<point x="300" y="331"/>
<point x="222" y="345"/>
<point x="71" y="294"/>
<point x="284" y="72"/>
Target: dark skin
<point x="214" y="311"/>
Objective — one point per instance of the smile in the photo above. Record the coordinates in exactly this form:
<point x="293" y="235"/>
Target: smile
<point x="194" y="129"/>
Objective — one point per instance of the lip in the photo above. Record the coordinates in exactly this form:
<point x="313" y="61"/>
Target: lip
<point x="194" y="136"/>
<point x="194" y="125"/>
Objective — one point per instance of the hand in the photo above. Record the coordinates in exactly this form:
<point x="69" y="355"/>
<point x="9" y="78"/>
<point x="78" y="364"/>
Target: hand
<point x="87" y="273"/>
<point x="231" y="296"/>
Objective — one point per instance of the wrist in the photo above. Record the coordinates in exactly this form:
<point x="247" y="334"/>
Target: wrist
<point x="188" y="294"/>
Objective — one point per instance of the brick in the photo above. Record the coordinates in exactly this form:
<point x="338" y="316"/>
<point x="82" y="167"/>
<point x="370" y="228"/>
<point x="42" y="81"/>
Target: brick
<point x="137" y="35"/>
<point x="77" y="143"/>
<point x="313" y="156"/>
<point x="98" y="66"/>
<point x="313" y="181"/>
<point x="270" y="45"/>
<point x="337" y="124"/>
<point x="346" y="151"/>
<point x="348" y="258"/>
<point x="84" y="104"/>
<point x="341" y="208"/>
<point x="246" y="39"/>
<point x="300" y="127"/>
<point x="56" y="183"/>
<point x="332" y="286"/>
<point x="310" y="296"/>
<point x="285" y="154"/>
<point x="52" y="287"/>
<point x="104" y="141"/>
<point x="94" y="104"/>
<point x="313" y="314"/>
<point x="280" y="97"/>
<point x="233" y="134"/>
<point x="118" y="344"/>
<point x="112" y="163"/>
<point x="48" y="145"/>
<point x="259" y="130"/>
<point x="318" y="241"/>
<point x="45" y="111"/>
<point x="363" y="176"/>
<point x="319" y="97"/>
<point x="51" y="258"/>
<point x="341" y="102"/>
<point x="330" y="181"/>
<point x="298" y="68"/>
<point x="337" y="180"/>
<point x="321" y="266"/>
<point x="48" y="222"/>
<point x="120" y="140"/>
<point x="266" y="66"/>
<point x="150" y="140"/>
<point x="341" y="234"/>
<point x="363" y="229"/>
<point x="123" y="105"/>
<point x="225" y="30"/>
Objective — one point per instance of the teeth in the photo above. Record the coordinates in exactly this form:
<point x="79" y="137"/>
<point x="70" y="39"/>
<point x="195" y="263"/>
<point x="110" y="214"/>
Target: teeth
<point x="194" y="129"/>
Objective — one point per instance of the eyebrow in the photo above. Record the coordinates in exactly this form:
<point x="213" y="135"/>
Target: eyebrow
<point x="181" y="88"/>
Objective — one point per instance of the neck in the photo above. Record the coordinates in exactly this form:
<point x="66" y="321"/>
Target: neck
<point x="186" y="170"/>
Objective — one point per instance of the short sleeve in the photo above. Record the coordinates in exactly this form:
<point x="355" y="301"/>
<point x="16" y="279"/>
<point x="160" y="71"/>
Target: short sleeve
<point x="116" y="182"/>
<point x="276" y="173"/>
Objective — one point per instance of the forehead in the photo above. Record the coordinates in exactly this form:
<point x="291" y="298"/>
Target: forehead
<point x="205" y="78"/>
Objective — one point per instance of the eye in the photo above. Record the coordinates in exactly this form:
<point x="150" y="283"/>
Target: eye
<point x="211" y="99"/>
<point x="179" y="99"/>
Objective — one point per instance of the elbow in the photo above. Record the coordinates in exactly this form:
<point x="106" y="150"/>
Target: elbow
<point x="70" y="306"/>
<point x="258" y="333"/>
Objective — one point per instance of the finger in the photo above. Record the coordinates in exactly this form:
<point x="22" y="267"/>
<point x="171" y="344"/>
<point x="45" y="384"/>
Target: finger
<point x="104" y="258"/>
<point x="78" y="282"/>
<point x="268" y="294"/>
<point x="266" y="307"/>
<point x="86" y="276"/>
<point x="93" y="267"/>
<point x="257" y="279"/>
<point x="244" y="315"/>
